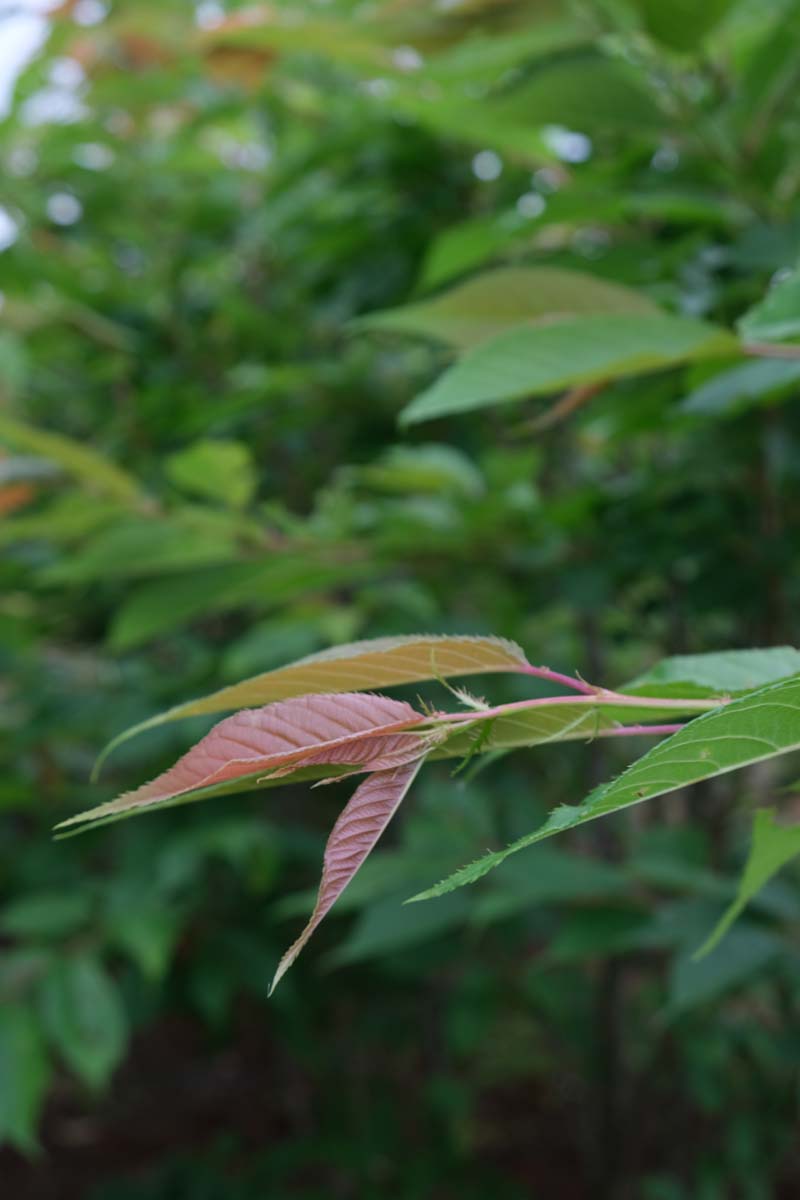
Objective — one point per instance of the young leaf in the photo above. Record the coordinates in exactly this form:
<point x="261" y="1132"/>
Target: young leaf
<point x="304" y="731"/>
<point x="773" y="847"/>
<point x="498" y="300"/>
<point x="381" y="662"/>
<point x="545" y="358"/>
<point x="356" y="832"/>
<point x="760" y="725"/>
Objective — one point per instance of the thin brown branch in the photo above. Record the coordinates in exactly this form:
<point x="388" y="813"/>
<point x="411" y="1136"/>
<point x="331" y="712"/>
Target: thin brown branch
<point x="564" y="407"/>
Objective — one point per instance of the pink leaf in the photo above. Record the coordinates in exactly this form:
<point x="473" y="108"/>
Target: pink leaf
<point x="306" y="729"/>
<point x="360" y="825"/>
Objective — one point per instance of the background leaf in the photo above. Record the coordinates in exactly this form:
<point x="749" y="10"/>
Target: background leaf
<point x="534" y="362"/>
<point x="495" y="301"/>
<point x="81" y="461"/>
<point x="773" y="847"/>
<point x="222" y="470"/>
<point x="24" y="1076"/>
<point x="83" y="1016"/>
<point x="738" y="388"/>
<point x="776" y="318"/>
<point x="681" y="24"/>
<point x="721" y="673"/>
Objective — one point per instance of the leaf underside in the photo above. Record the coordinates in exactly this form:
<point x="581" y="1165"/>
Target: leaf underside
<point x="351" y="728"/>
<point x="360" y="825"/>
<point x="326" y="735"/>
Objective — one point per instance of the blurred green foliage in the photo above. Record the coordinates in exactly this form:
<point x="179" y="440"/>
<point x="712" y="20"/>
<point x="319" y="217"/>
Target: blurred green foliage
<point x="203" y="476"/>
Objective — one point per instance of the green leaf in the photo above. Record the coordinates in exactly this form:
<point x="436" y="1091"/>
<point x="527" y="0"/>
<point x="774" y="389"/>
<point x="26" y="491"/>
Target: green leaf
<point x="468" y="244"/>
<point x="424" y="469"/>
<point x="160" y="606"/>
<point x="504" y="124"/>
<point x="86" y="465"/>
<point x="722" y="674"/>
<point x="496" y="301"/>
<point x="597" y="932"/>
<point x="387" y="927"/>
<point x="488" y="55"/>
<point x="549" y="876"/>
<point x="14" y="364"/>
<point x="587" y="91"/>
<point x="137" y="546"/>
<point x="547" y="358"/>
<point x="741" y="387"/>
<point x="220" y="470"/>
<point x="82" y="1014"/>
<point x="381" y="662"/>
<point x="777" y="316"/>
<point x="773" y="847"/>
<point x="147" y="929"/>
<point x="742" y="958"/>
<point x="760" y="725"/>
<point x="334" y="37"/>
<point x="682" y="24"/>
<point x="24" y="1075"/>
<point x="46" y="915"/>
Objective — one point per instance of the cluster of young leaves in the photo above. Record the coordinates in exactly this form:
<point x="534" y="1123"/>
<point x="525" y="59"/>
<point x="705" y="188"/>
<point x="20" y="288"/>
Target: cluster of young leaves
<point x="331" y="733"/>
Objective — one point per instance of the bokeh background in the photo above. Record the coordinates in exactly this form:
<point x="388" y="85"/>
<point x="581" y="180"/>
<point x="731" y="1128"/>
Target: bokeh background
<point x="202" y="476"/>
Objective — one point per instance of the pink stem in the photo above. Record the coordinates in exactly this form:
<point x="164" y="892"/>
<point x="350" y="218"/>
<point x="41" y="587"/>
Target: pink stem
<point x="639" y="730"/>
<point x="605" y="698"/>
<point x="568" y="681"/>
<point x="772" y="350"/>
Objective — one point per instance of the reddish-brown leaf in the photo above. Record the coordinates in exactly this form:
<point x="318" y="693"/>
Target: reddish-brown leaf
<point x="360" y="825"/>
<point x="351" y="728"/>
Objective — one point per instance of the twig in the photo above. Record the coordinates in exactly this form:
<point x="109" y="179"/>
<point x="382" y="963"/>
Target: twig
<point x="569" y="403"/>
<point x="772" y="349"/>
<point x="569" y="681"/>
<point x="605" y="698"/>
<point x="639" y="730"/>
